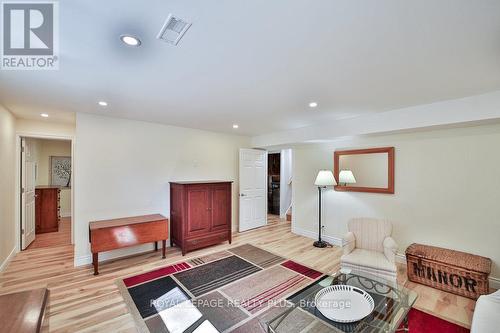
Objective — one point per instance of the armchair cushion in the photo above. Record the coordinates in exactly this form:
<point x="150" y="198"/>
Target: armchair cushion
<point x="349" y="243"/>
<point x="390" y="248"/>
<point x="368" y="259"/>
<point x="370" y="233"/>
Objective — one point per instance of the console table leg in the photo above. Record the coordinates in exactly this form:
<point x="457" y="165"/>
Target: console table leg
<point x="156" y="246"/>
<point x="164" y="246"/>
<point x="95" y="262"/>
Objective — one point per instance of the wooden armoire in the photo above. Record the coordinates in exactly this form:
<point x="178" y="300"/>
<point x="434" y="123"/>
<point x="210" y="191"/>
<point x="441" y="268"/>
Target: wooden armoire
<point x="200" y="214"/>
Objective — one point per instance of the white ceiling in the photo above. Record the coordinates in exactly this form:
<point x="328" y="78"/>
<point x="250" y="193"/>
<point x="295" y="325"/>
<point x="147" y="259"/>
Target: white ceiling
<point x="259" y="63"/>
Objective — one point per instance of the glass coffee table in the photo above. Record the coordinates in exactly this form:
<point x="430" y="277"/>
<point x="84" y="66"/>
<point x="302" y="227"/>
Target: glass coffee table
<point x="392" y="305"/>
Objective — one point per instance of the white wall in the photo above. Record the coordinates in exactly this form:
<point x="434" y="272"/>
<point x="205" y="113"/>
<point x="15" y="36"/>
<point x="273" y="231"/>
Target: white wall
<point x="447" y="190"/>
<point x="122" y="168"/>
<point x="44" y="128"/>
<point x="7" y="186"/>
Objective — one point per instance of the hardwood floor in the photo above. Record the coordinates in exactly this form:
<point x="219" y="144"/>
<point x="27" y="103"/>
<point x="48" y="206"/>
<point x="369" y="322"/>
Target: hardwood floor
<point x="80" y="301"/>
<point x="57" y="238"/>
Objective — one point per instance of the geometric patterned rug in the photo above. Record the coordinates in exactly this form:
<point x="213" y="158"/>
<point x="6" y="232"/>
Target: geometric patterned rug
<point x="237" y="290"/>
<point x="226" y="291"/>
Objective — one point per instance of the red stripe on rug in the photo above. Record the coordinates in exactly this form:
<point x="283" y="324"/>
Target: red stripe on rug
<point x="134" y="280"/>
<point x="306" y="271"/>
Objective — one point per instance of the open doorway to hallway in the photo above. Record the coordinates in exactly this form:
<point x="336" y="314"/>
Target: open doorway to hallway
<point x="279" y="186"/>
<point x="273" y="183"/>
<point x="45" y="192"/>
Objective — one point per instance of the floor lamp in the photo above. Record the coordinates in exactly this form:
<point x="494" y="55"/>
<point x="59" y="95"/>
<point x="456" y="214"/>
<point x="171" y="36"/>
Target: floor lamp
<point x="325" y="178"/>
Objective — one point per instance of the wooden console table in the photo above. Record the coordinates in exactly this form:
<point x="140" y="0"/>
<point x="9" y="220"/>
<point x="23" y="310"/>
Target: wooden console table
<point x="107" y="235"/>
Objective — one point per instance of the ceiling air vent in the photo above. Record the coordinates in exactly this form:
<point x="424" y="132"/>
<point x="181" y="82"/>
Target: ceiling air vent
<point x="173" y="30"/>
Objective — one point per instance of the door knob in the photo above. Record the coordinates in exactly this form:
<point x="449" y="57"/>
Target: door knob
<point x="243" y="195"/>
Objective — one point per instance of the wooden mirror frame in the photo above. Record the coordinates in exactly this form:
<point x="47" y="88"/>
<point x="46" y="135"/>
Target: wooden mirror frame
<point x="390" y="177"/>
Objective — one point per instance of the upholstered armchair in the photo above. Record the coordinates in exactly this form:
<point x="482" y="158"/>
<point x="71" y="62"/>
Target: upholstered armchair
<point x="369" y="248"/>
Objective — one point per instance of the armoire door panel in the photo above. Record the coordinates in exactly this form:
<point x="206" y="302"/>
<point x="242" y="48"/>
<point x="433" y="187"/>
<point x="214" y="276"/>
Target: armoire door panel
<point x="198" y="219"/>
<point x="221" y="210"/>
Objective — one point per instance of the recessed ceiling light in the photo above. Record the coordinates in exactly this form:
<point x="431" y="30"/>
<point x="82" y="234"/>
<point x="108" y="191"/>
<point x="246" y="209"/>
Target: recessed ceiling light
<point x="130" y="40"/>
<point x="313" y="104"/>
<point x="103" y="103"/>
<point x="235" y="126"/>
<point x="44" y="115"/>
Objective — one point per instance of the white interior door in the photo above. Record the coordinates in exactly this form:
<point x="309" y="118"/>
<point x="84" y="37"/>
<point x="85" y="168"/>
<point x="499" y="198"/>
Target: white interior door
<point x="28" y="165"/>
<point x="253" y="188"/>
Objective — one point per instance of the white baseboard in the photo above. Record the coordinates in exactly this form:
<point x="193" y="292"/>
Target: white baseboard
<point x="8" y="259"/>
<point x="83" y="260"/>
<point x="494" y="283"/>
<point x="314" y="235"/>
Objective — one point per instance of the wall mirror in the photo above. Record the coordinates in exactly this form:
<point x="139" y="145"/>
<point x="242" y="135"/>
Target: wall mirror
<point x="365" y="170"/>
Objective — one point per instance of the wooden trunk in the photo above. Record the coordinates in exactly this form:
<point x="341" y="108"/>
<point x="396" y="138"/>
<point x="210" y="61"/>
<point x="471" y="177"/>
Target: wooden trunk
<point x="456" y="272"/>
<point x="200" y="214"/>
<point x="47" y="209"/>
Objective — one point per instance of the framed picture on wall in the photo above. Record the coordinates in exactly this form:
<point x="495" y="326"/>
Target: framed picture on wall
<point x="60" y="171"/>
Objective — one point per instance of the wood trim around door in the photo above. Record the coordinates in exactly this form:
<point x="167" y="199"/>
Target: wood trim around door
<point x="390" y="167"/>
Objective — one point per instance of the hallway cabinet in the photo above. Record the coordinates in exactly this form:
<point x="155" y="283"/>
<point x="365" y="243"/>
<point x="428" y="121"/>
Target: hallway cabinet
<point x="47" y="209"/>
<point x="200" y="214"/>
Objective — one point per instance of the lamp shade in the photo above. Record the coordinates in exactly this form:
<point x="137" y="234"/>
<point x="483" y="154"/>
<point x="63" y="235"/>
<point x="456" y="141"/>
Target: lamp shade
<point x="346" y="177"/>
<point x="325" y="178"/>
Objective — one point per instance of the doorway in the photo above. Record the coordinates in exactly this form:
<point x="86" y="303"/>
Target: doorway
<point x="279" y="186"/>
<point x="45" y="192"/>
<point x="265" y="186"/>
<point x="273" y="183"/>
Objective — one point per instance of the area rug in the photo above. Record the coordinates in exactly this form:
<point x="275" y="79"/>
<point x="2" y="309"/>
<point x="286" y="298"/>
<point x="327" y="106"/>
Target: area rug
<point x="237" y="290"/>
<point x="421" y="322"/>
